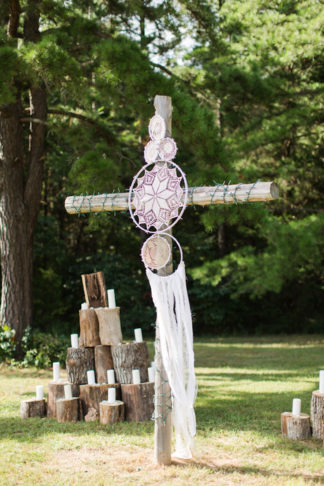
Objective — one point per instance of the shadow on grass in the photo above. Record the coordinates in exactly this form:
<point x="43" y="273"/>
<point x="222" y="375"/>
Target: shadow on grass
<point x="248" y="470"/>
<point x="28" y="430"/>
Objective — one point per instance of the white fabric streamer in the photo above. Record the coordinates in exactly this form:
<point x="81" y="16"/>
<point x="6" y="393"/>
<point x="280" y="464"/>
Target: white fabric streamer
<point x="171" y="300"/>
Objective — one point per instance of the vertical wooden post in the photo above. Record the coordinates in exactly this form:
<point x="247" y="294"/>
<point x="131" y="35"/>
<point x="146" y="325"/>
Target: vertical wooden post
<point x="162" y="403"/>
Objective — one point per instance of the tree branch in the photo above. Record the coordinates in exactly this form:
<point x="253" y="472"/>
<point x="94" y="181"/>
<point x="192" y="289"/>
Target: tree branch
<point x="33" y="120"/>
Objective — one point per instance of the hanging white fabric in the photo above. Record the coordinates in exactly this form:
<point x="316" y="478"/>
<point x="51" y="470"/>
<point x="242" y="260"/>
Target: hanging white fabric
<point x="171" y="300"/>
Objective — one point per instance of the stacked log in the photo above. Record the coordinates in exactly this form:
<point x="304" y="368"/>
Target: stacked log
<point x="56" y="392"/>
<point x="127" y="357"/>
<point x="317" y="414"/>
<point x="78" y="362"/>
<point x="32" y="408"/>
<point x="295" y="427"/>
<point x="92" y="395"/>
<point x="138" y="399"/>
<point x="68" y="410"/>
<point x="111" y="413"/>
<point x="103" y="362"/>
<point x="109" y="325"/>
<point x="89" y="328"/>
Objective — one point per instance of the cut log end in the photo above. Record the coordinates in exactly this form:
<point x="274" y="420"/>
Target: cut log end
<point x="295" y="427"/>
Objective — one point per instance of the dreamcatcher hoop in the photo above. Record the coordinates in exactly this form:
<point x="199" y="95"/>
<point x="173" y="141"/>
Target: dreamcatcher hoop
<point x="156" y="236"/>
<point x="130" y="196"/>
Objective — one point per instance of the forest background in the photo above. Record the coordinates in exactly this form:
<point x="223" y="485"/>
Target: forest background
<point x="246" y="85"/>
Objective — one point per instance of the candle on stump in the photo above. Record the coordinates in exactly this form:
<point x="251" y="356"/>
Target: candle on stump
<point x="91" y="377"/>
<point x="39" y="392"/>
<point x="111" y="395"/>
<point x="321" y="381"/>
<point x="74" y="341"/>
<point x="111" y="299"/>
<point x="68" y="392"/>
<point x="84" y="306"/>
<point x="296" y="406"/>
<point x="111" y="377"/>
<point x="151" y="374"/>
<point x="138" y="335"/>
<point x="136" y="377"/>
<point x="56" y="371"/>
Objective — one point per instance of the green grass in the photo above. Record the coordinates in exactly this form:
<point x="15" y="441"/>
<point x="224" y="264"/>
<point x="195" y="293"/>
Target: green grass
<point x="244" y="385"/>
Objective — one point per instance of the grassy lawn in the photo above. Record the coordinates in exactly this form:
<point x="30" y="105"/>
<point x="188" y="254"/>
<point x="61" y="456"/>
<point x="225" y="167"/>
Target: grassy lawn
<point x="244" y="385"/>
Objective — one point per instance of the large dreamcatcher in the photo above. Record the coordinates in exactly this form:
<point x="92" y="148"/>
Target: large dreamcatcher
<point x="159" y="194"/>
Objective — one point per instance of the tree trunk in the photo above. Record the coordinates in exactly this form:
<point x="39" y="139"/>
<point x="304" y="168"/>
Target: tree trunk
<point x="20" y="191"/>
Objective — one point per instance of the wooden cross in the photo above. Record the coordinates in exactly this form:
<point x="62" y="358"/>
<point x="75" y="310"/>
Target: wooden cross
<point x="202" y="196"/>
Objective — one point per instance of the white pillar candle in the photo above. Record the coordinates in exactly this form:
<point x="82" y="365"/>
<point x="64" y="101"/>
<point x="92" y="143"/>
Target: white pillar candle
<point x="111" y="377"/>
<point x="84" y="306"/>
<point x="136" y="377"/>
<point x="56" y="371"/>
<point x="111" y="395"/>
<point x="321" y="381"/>
<point x="153" y="364"/>
<point x="74" y="341"/>
<point x="111" y="299"/>
<point x="68" y="392"/>
<point x="151" y="374"/>
<point x="138" y="335"/>
<point x="91" y="377"/>
<point x="296" y="406"/>
<point x="39" y="392"/>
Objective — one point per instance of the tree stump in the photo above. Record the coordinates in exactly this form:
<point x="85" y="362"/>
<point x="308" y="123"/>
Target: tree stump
<point x="92" y="395"/>
<point x="111" y="413"/>
<point x="78" y="362"/>
<point x="109" y="325"/>
<point x="127" y="357"/>
<point x="295" y="427"/>
<point x="56" y="392"/>
<point x="317" y="414"/>
<point x="32" y="408"/>
<point x="103" y="362"/>
<point x="89" y="328"/>
<point x="138" y="401"/>
<point x="68" y="410"/>
<point x="95" y="289"/>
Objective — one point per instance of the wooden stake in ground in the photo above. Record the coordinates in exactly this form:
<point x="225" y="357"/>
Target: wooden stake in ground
<point x="295" y="427"/>
<point x="32" y="408"/>
<point x="95" y="289"/>
<point x="317" y="414"/>
<point x="220" y="194"/>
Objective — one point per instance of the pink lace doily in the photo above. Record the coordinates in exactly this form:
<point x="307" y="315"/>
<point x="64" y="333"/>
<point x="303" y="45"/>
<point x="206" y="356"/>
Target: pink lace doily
<point x="159" y="199"/>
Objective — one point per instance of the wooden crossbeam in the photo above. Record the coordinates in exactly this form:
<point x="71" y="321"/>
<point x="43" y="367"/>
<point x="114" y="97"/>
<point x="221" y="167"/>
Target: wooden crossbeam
<point x="197" y="196"/>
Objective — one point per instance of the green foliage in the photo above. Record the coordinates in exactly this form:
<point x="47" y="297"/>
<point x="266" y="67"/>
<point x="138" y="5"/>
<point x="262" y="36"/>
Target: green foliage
<point x="7" y="343"/>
